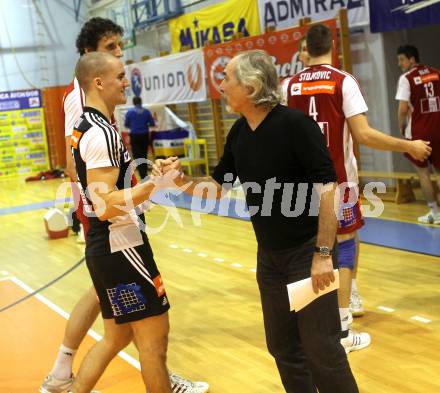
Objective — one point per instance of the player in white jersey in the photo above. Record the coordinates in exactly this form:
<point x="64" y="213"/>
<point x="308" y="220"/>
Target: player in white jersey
<point x="102" y="35"/>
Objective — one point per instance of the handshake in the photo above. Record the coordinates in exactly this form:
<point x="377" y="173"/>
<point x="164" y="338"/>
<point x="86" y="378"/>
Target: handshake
<point x="167" y="172"/>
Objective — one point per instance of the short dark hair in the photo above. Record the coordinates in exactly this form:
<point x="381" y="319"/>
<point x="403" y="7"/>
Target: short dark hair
<point x="319" y="40"/>
<point x="409" y="51"/>
<point x="93" y="30"/>
<point x="137" y="100"/>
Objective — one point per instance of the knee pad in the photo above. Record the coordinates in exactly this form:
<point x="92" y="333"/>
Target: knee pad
<point x="347" y="254"/>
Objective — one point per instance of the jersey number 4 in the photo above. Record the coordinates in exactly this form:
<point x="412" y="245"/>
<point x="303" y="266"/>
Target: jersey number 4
<point x="313" y="112"/>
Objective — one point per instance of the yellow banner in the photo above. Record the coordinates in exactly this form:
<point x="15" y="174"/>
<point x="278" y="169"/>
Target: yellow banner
<point x="23" y="144"/>
<point x="218" y="23"/>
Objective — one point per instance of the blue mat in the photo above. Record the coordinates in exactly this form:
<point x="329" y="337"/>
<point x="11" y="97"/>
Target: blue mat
<point x="417" y="238"/>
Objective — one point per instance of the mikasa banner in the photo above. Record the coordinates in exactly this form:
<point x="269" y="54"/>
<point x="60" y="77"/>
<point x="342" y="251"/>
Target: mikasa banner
<point x="172" y="79"/>
<point x="217" y="23"/>
<point x="287" y="13"/>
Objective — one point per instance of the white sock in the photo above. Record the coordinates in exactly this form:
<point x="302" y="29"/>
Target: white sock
<point x="434" y="207"/>
<point x="343" y="313"/>
<point x="62" y="369"/>
<point x="354" y="287"/>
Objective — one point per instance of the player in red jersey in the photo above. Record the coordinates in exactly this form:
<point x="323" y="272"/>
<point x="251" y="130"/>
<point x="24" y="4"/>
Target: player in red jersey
<point x="101" y="35"/>
<point x="333" y="99"/>
<point x="418" y="93"/>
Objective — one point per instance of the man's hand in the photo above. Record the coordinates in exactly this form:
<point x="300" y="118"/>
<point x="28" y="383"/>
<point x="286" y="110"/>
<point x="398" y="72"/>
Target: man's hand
<point x="162" y="166"/>
<point x="420" y="150"/>
<point x="321" y="272"/>
<point x="171" y="164"/>
<point x="167" y="173"/>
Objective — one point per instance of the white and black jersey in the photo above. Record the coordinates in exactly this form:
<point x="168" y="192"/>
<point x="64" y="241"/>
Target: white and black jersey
<point x="96" y="144"/>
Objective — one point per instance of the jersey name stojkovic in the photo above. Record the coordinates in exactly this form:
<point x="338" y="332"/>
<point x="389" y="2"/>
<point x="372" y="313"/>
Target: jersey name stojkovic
<point x="96" y="144"/>
<point x="330" y="96"/>
<point x="420" y="87"/>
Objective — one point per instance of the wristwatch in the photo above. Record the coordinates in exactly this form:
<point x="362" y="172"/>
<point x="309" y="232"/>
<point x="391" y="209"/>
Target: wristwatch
<point x="323" y="251"/>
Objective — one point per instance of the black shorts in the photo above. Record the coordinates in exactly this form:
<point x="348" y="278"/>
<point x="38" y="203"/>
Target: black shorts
<point x="128" y="284"/>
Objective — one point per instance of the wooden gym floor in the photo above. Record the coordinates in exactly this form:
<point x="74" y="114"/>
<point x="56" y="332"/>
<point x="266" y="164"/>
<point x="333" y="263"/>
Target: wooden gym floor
<point x="216" y="324"/>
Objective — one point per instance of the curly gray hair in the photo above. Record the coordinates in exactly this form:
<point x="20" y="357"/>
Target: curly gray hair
<point x="255" y="70"/>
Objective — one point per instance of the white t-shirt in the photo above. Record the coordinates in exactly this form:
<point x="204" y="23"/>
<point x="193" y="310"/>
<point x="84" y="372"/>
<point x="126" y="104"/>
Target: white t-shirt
<point x="73" y="104"/>
<point x="403" y="89"/>
<point x="404" y="94"/>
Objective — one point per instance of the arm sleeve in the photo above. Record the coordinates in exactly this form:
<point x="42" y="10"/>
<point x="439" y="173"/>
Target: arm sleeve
<point x="353" y="102"/>
<point x="403" y="89"/>
<point x="96" y="152"/>
<point x="310" y="148"/>
<point x="127" y="120"/>
<point x="150" y="121"/>
<point x="226" y="164"/>
<point x="73" y="109"/>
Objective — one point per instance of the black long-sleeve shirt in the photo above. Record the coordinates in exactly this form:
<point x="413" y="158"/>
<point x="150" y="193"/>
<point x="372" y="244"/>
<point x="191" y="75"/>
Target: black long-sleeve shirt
<point x="287" y="149"/>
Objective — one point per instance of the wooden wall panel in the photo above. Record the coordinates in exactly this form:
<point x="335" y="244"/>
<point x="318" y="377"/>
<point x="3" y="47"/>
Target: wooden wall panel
<point x="53" y="113"/>
<point x="211" y="121"/>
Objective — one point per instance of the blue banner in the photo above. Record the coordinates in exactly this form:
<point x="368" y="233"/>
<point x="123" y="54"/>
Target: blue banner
<point x="389" y="15"/>
<point x="20" y="99"/>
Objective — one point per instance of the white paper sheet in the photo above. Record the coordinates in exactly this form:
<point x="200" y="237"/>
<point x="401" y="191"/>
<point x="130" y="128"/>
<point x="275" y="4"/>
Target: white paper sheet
<point x="301" y="292"/>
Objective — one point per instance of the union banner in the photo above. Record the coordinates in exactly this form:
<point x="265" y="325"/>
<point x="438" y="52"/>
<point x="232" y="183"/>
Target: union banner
<point x="172" y="79"/>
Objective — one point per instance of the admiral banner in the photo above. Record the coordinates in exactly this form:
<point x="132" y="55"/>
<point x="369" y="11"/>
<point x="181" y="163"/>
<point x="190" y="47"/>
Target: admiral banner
<point x="281" y="45"/>
<point x="172" y="79"/>
<point x="287" y="13"/>
<point x="218" y="23"/>
<point x="389" y="15"/>
<point x="23" y="145"/>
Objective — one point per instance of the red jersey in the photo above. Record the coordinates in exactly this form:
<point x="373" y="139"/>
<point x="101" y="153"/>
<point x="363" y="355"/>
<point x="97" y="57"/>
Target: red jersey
<point x="330" y="96"/>
<point x="420" y="87"/>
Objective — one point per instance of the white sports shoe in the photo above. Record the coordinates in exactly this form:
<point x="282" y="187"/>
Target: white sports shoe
<point x="355" y="341"/>
<point x="53" y="385"/>
<point x="182" y="385"/>
<point x="429" y="218"/>
<point x="356" y="307"/>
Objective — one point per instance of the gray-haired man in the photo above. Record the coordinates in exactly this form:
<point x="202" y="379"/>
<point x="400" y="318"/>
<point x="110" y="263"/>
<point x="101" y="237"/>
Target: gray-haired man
<point x="275" y="151"/>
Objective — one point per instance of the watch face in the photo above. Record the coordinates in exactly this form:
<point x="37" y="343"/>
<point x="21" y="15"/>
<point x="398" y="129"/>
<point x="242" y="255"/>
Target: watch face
<point x="324" y="251"/>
